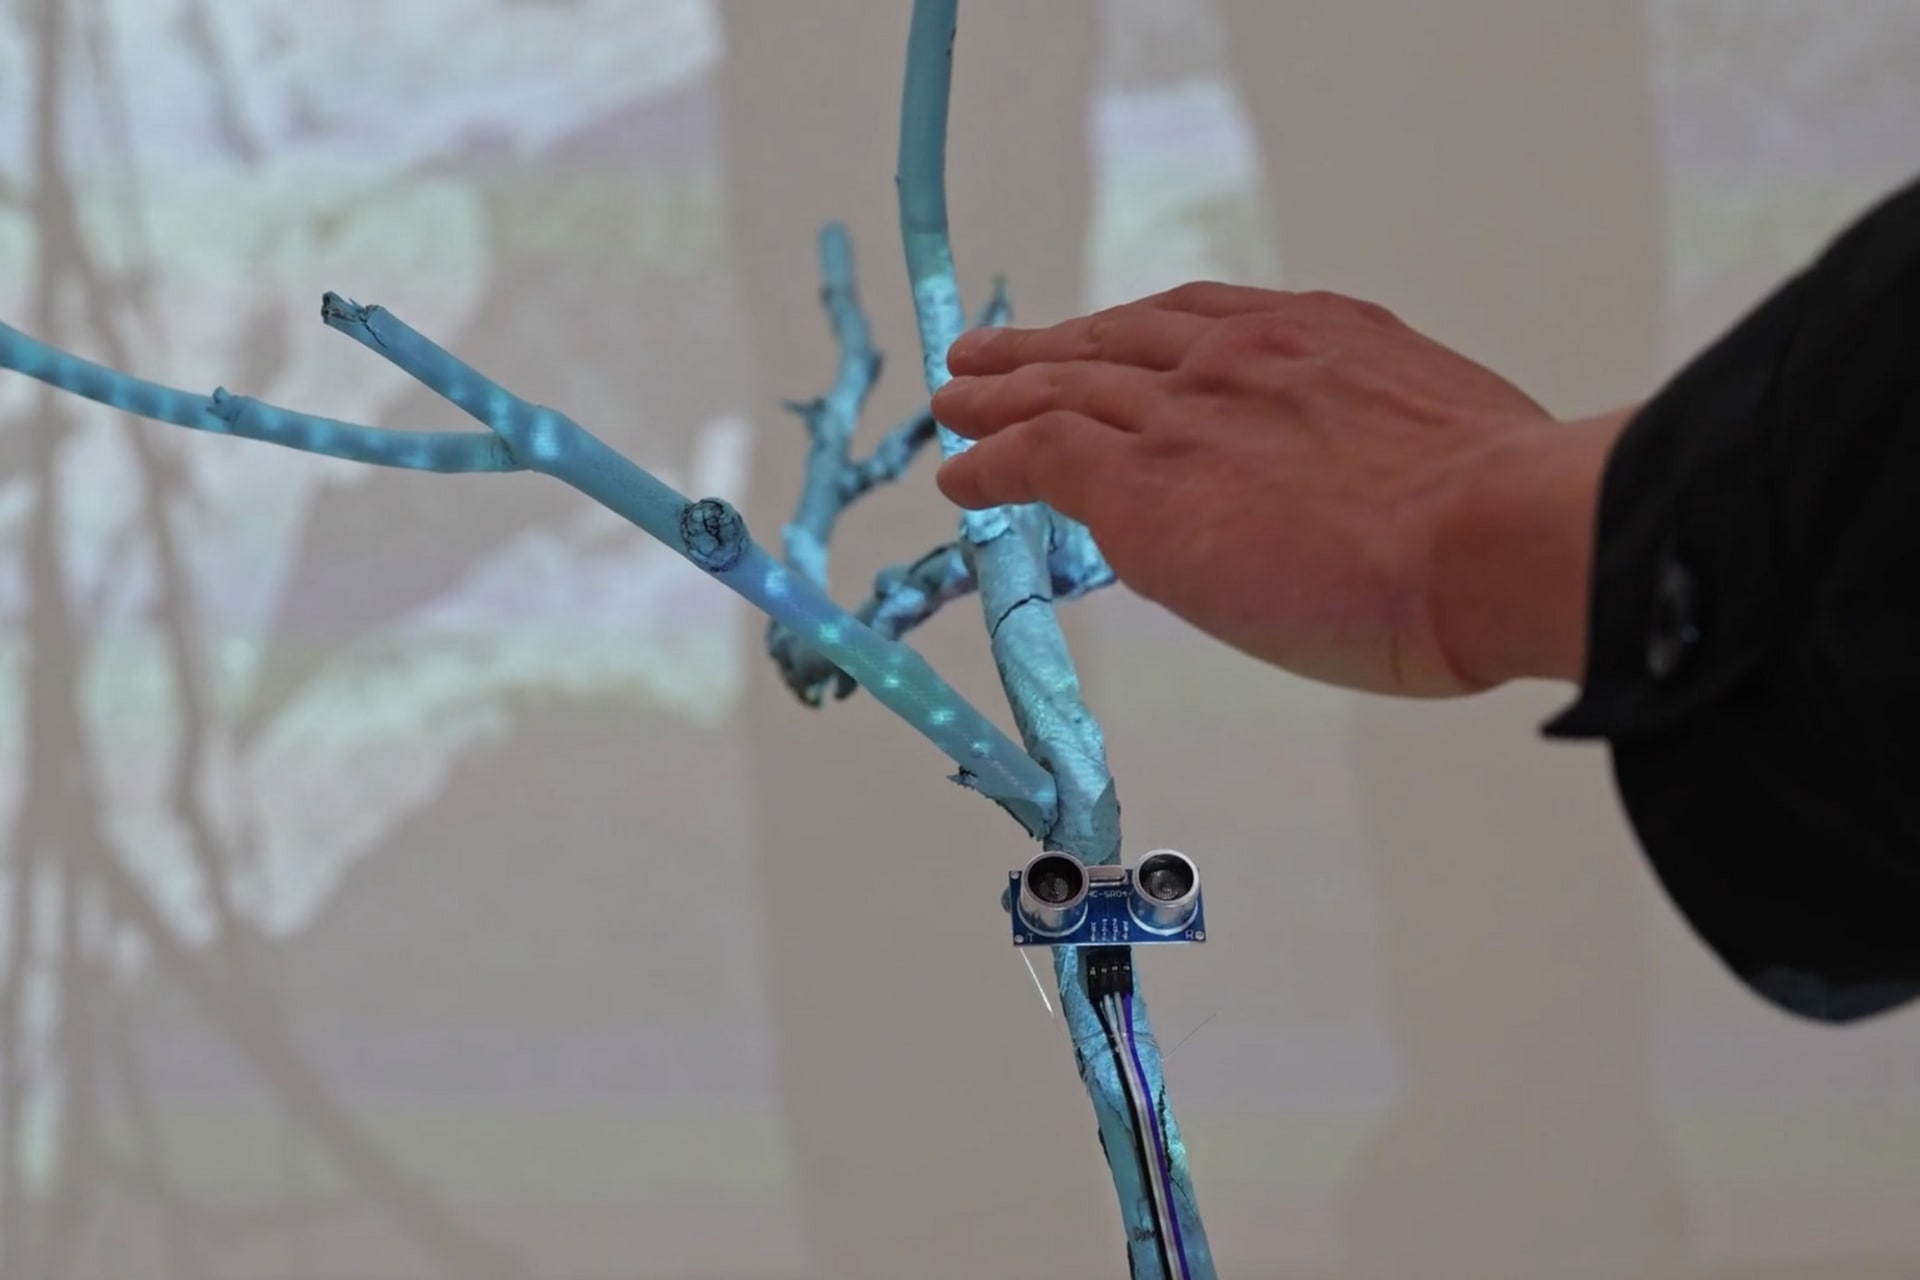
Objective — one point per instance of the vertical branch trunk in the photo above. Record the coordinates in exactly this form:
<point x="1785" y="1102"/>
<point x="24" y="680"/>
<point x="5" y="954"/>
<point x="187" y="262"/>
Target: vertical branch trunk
<point x="1009" y="548"/>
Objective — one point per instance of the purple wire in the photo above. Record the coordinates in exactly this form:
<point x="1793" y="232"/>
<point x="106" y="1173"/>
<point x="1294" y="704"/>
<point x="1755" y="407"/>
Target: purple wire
<point x="1159" y="1145"/>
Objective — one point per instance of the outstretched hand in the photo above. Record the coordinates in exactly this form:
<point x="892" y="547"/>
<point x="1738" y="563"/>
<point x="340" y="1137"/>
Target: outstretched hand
<point x="1302" y="476"/>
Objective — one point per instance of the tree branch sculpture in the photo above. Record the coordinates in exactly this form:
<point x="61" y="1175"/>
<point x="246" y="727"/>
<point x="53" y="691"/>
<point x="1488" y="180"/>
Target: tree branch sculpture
<point x="1022" y="562"/>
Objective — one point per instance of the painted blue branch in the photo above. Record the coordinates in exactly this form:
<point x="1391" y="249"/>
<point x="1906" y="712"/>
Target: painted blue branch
<point x="907" y="595"/>
<point x="1012" y="562"/>
<point x="899" y="447"/>
<point x="904" y="596"/>
<point x="831" y="419"/>
<point x="710" y="533"/>
<point x="1075" y="564"/>
<point x="890" y="458"/>
<point x="231" y="415"/>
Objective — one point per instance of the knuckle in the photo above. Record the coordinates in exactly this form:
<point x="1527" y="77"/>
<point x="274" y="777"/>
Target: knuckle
<point x="1098" y="333"/>
<point x="1008" y="349"/>
<point x="1195" y="294"/>
<point x="1216" y="362"/>
<point x="1325" y="299"/>
<point x="1050" y="430"/>
<point x="1346" y="305"/>
<point x="1053" y="442"/>
<point x="1031" y="390"/>
<point x="1271" y="334"/>
<point x="1375" y="314"/>
<point x="1157" y="449"/>
<point x="1234" y="351"/>
<point x="1066" y="385"/>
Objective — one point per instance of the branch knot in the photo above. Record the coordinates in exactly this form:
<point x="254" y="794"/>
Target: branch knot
<point x="714" y="534"/>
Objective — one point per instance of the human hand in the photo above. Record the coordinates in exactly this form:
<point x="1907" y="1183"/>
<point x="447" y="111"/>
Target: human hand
<point x="1301" y="476"/>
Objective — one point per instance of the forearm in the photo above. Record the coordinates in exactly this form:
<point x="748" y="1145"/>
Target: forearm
<point x="1513" y="559"/>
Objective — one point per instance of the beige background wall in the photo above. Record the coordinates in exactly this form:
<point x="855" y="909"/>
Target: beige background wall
<point x="421" y="875"/>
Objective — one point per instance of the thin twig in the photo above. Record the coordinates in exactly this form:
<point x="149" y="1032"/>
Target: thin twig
<point x="223" y="413"/>
<point x="832" y="418"/>
<point x="905" y="595"/>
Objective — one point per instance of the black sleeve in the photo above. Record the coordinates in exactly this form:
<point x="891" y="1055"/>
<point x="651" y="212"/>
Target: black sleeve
<point x="1754" y="637"/>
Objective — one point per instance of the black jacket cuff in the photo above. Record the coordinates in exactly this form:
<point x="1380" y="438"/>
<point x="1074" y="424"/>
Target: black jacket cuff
<point x="1754" y="631"/>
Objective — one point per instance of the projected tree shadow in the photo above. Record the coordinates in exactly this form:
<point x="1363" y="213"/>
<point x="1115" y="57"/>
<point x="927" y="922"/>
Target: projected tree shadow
<point x="70" y="1057"/>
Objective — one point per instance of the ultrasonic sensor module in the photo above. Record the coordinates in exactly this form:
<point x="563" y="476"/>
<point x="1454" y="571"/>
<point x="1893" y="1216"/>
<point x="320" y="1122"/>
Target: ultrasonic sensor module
<point x="1059" y="901"/>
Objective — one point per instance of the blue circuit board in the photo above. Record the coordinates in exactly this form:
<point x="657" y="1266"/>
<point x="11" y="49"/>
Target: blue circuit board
<point x="1109" y="917"/>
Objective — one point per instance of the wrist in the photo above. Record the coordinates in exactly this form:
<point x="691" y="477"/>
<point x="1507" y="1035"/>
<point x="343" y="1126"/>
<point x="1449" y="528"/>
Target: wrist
<point x="1514" y="554"/>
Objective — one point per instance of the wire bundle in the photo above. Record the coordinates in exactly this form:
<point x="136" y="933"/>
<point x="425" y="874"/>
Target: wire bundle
<point x="1110" y="986"/>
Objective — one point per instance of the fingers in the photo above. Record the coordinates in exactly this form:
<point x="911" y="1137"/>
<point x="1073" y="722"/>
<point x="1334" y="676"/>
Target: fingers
<point x="1060" y="459"/>
<point x="1218" y="301"/>
<point x="1318" y="306"/>
<point x="1153" y="333"/>
<point x="1138" y="335"/>
<point x="1120" y="396"/>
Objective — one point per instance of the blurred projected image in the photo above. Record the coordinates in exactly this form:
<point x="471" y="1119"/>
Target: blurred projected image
<point x="351" y="815"/>
<point x="1777" y="127"/>
<point x="1002" y="554"/>
<point x="324" y="894"/>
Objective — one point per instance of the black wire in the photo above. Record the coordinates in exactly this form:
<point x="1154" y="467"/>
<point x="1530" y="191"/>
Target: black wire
<point x="1142" y="1116"/>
